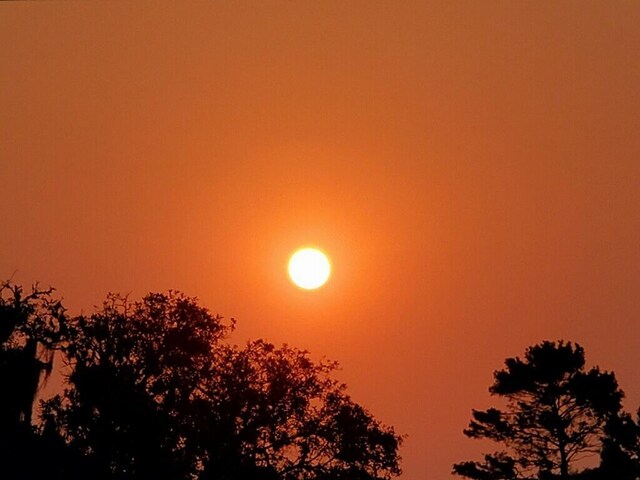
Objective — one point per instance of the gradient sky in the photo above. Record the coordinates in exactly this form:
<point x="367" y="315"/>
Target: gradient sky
<point x="472" y="169"/>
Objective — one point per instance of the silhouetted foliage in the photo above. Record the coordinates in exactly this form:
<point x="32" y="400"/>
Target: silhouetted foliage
<point x="135" y="369"/>
<point x="155" y="392"/>
<point x="31" y="328"/>
<point x="620" y="456"/>
<point x="279" y="415"/>
<point x="557" y="413"/>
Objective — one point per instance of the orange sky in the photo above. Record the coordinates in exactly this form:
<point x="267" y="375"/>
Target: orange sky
<point x="472" y="168"/>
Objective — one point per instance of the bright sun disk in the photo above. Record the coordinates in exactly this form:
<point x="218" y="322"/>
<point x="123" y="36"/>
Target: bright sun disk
<point x="309" y="268"/>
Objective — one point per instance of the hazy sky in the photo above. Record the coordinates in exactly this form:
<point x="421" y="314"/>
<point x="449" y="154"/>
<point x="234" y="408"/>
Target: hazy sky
<point x="472" y="169"/>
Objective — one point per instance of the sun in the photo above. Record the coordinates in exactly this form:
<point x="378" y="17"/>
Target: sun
<point x="309" y="268"/>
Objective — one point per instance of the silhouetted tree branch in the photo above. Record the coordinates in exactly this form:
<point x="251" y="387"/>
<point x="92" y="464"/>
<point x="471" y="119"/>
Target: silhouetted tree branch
<point x="557" y="414"/>
<point x="155" y="392"/>
<point x="31" y="328"/>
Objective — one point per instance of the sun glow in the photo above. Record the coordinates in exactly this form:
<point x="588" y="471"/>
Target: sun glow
<point x="309" y="268"/>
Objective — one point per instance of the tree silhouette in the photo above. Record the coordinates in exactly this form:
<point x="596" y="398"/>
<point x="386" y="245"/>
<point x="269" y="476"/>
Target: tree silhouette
<point x="155" y="392"/>
<point x="31" y="328"/>
<point x="620" y="456"/>
<point x="136" y="368"/>
<point x="279" y="415"/>
<point x="557" y="413"/>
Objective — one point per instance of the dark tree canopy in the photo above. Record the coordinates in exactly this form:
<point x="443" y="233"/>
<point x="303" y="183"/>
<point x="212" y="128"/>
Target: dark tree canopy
<point x="135" y="368"/>
<point x="31" y="327"/>
<point x="557" y="414"/>
<point x="288" y="419"/>
<point x="155" y="391"/>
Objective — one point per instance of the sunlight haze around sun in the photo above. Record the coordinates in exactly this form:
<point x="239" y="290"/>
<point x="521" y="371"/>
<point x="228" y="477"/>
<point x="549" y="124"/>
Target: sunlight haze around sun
<point x="309" y="268"/>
